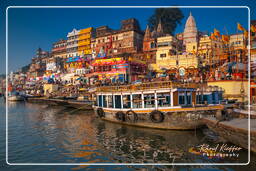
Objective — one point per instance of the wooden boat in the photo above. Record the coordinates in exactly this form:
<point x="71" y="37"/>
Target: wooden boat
<point x="15" y="96"/>
<point x="163" y="105"/>
<point x="234" y="130"/>
<point x="80" y="104"/>
<point x="84" y="101"/>
<point x="72" y="103"/>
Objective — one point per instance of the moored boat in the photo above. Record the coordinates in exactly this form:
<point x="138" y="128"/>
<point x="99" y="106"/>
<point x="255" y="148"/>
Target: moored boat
<point x="15" y="96"/>
<point x="83" y="101"/>
<point x="80" y="104"/>
<point x="163" y="105"/>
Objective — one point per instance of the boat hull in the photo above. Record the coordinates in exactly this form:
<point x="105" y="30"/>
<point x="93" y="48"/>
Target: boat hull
<point x="85" y="105"/>
<point x="15" y="98"/>
<point x="186" y="119"/>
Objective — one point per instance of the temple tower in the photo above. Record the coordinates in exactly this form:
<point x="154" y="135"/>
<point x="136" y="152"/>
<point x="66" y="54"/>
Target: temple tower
<point x="190" y="34"/>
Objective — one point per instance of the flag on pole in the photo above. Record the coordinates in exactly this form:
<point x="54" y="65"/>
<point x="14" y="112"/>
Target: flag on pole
<point x="225" y="38"/>
<point x="240" y="27"/>
<point x="253" y="28"/>
<point x="212" y="37"/>
<point x="216" y="32"/>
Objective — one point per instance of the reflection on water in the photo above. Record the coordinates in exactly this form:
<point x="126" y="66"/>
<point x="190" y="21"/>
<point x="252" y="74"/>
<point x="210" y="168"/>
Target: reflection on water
<point x="54" y="134"/>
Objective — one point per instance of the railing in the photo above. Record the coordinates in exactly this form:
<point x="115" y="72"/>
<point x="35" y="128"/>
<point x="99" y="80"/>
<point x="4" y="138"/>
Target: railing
<point x="148" y="86"/>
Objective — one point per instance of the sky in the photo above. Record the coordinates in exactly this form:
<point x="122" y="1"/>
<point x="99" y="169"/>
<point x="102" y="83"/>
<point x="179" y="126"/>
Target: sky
<point x="30" y="28"/>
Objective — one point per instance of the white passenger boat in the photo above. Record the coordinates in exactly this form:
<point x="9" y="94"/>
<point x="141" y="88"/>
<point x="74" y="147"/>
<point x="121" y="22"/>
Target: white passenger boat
<point x="164" y="105"/>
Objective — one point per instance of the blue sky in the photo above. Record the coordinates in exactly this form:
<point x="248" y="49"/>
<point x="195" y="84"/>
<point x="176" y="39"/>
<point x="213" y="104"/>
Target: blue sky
<point x="33" y="28"/>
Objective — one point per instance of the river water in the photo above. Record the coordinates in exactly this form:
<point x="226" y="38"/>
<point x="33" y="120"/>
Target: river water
<point x="40" y="133"/>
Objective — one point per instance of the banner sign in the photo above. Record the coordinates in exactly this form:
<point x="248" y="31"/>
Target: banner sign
<point x="109" y="61"/>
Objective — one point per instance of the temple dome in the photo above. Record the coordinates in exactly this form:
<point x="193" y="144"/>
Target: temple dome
<point x="190" y="22"/>
<point x="190" y="31"/>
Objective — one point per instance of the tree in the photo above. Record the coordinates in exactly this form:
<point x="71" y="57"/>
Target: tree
<point x="170" y="18"/>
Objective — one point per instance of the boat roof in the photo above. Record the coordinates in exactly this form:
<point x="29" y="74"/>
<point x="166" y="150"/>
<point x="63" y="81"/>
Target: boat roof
<point x="150" y="86"/>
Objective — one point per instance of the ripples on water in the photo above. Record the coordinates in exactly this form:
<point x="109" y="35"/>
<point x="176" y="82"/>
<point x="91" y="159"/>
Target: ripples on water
<point x="40" y="133"/>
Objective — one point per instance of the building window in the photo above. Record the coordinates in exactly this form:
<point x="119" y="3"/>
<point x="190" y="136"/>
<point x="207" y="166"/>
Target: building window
<point x="163" y="44"/>
<point x="163" y="55"/>
<point x="152" y="45"/>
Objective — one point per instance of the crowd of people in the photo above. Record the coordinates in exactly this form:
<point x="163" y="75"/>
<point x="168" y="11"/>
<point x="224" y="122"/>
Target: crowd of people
<point x="77" y="87"/>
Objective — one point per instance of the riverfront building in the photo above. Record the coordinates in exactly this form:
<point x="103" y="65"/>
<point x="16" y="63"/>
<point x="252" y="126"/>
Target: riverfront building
<point x="59" y="49"/>
<point x="210" y="50"/>
<point x="72" y="43"/>
<point x="150" y="43"/>
<point x="76" y="65"/>
<point x="54" y="68"/>
<point x="169" y="54"/>
<point x="165" y="51"/>
<point x="38" y="65"/>
<point x="118" y="69"/>
<point x="128" y="54"/>
<point x="84" y="42"/>
<point x="128" y="39"/>
<point x="79" y="51"/>
<point x="253" y="61"/>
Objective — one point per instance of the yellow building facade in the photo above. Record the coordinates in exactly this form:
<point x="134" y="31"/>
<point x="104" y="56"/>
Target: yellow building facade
<point x="210" y="51"/>
<point x="84" y="41"/>
<point x="185" y="61"/>
<point x="167" y="58"/>
<point x="233" y="89"/>
<point x="237" y="41"/>
<point x="165" y="49"/>
<point x="191" y="47"/>
<point x="50" y="88"/>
